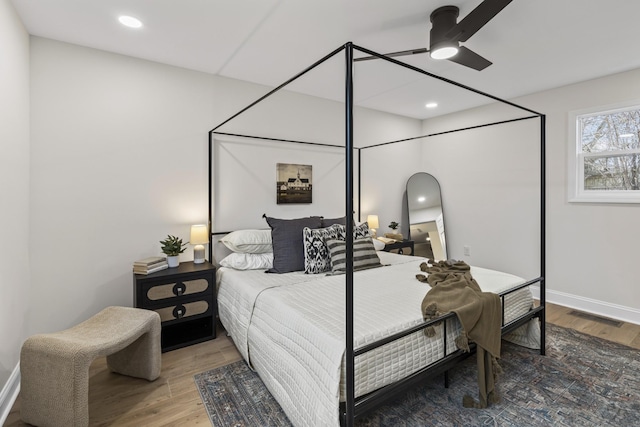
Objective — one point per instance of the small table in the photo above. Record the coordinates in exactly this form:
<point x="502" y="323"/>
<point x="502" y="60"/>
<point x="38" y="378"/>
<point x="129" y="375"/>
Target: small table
<point x="185" y="299"/>
<point x="400" y="245"/>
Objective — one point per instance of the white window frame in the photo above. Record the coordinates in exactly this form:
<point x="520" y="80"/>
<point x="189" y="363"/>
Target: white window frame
<point x="577" y="193"/>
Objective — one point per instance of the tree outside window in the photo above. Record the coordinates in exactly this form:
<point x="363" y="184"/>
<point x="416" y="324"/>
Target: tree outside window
<point x="608" y="143"/>
<point x="607" y="156"/>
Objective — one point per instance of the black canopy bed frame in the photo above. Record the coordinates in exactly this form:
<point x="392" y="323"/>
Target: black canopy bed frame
<point x="354" y="407"/>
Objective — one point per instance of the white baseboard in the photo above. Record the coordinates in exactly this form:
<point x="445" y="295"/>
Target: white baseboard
<point x="606" y="309"/>
<point x="9" y="394"/>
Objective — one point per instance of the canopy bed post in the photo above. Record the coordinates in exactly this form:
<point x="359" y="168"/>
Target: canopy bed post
<point x="543" y="226"/>
<point x="209" y="220"/>
<point x="348" y="102"/>
<point x="359" y="184"/>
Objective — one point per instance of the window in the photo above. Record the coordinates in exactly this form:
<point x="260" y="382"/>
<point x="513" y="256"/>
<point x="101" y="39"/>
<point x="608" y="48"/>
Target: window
<point x="604" y="157"/>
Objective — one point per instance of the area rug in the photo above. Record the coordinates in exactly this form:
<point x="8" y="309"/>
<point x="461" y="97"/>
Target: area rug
<point x="582" y="381"/>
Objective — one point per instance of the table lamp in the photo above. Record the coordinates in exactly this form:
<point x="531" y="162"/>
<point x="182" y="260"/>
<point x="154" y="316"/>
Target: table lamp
<point x="199" y="236"/>
<point x="373" y="222"/>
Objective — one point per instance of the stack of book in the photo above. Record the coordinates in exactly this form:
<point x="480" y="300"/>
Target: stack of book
<point x="150" y="265"/>
<point x="395" y="236"/>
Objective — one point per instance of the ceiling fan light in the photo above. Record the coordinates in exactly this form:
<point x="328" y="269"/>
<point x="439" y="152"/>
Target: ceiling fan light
<point x="444" y="52"/>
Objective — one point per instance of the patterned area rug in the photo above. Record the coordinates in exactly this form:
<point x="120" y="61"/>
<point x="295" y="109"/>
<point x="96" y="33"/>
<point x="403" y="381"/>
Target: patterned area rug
<point x="582" y="381"/>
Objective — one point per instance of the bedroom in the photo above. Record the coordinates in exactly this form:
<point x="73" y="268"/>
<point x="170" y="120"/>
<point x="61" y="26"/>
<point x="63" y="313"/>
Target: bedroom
<point x="119" y="122"/>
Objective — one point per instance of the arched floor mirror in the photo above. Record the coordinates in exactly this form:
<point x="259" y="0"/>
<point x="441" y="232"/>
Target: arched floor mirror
<point x="426" y="218"/>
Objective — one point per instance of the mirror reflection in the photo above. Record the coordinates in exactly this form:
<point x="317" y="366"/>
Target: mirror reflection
<point x="426" y="220"/>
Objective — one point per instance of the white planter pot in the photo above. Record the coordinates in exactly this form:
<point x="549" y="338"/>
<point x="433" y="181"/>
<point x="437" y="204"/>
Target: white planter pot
<point x="173" y="261"/>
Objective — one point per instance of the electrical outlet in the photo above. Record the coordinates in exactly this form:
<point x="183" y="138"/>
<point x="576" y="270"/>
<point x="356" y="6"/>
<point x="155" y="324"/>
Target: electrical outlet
<point x="467" y="251"/>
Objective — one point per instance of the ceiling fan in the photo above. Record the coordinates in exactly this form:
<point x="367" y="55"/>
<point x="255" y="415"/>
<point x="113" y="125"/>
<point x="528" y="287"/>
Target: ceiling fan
<point x="446" y="34"/>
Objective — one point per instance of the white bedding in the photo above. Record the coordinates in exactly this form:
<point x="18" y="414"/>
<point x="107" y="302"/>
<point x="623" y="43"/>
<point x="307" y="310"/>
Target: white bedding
<point x="290" y="329"/>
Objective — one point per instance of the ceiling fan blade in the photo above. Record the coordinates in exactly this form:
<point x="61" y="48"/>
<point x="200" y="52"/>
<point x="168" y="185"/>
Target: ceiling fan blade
<point x="470" y="59"/>
<point x="476" y="19"/>
<point x="392" y="54"/>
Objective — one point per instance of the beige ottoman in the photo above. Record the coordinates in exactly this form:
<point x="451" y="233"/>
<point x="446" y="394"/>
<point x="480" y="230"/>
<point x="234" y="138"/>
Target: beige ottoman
<point x="54" y="367"/>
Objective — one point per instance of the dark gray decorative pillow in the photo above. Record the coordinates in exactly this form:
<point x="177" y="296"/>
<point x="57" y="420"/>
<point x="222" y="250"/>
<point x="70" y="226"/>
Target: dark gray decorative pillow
<point x="364" y="255"/>
<point x="288" y="247"/>
<point x="328" y="222"/>
<point x="316" y="253"/>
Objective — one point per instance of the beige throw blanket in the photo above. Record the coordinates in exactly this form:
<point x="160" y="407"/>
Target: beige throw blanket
<point x="454" y="290"/>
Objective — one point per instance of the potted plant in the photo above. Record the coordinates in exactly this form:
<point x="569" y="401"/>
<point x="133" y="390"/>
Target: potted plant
<point x="395" y="233"/>
<point x="172" y="247"/>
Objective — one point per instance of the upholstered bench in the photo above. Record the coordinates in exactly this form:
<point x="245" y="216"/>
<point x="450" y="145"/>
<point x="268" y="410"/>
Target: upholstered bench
<point x="54" y="367"/>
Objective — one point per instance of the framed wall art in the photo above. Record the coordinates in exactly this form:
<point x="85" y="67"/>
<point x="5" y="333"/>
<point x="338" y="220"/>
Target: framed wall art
<point x="293" y="183"/>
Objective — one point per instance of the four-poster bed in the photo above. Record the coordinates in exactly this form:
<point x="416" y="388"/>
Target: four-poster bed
<point x="358" y="399"/>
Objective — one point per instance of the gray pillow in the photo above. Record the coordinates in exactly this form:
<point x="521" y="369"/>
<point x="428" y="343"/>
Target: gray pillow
<point x="364" y="255"/>
<point x="328" y="222"/>
<point x="288" y="246"/>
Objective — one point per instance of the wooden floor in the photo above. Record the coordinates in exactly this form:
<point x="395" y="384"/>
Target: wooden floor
<point x="173" y="400"/>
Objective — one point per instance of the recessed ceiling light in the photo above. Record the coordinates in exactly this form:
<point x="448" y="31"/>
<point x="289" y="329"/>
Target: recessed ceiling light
<point x="422" y="199"/>
<point x="431" y="104"/>
<point x="130" y="21"/>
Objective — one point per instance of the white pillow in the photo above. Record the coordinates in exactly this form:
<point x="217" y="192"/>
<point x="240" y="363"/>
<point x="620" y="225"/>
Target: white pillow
<point x="249" y="241"/>
<point x="241" y="261"/>
<point x="378" y="244"/>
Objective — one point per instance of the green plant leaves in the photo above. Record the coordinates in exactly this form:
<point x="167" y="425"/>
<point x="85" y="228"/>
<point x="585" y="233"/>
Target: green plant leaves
<point x="172" y="246"/>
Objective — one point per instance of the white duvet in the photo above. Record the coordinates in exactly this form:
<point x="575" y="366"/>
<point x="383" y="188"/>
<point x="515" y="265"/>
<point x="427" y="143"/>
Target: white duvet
<point x="290" y="329"/>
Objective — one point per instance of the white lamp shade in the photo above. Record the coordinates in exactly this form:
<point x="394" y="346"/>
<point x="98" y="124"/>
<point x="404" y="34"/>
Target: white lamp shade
<point x="373" y="222"/>
<point x="199" y="235"/>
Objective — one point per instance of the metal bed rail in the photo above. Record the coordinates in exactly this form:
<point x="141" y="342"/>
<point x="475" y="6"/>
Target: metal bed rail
<point x="373" y="400"/>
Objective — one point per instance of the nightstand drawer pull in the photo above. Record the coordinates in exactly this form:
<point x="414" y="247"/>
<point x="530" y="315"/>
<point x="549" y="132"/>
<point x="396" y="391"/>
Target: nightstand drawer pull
<point x="171" y="290"/>
<point x="182" y="310"/>
<point x="179" y="311"/>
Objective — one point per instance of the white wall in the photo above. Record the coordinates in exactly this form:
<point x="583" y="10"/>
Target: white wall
<point x="245" y="182"/>
<point x="592" y="249"/>
<point x="14" y="187"/>
<point x="385" y="172"/>
<point x="119" y="160"/>
<point x="489" y="182"/>
<point x="244" y="187"/>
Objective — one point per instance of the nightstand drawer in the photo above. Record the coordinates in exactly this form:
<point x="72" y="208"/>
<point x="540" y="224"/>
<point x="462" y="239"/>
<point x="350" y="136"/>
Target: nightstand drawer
<point x="156" y="293"/>
<point x="183" y="310"/>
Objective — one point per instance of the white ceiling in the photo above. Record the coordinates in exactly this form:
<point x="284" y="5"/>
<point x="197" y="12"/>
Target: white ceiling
<point x="534" y="45"/>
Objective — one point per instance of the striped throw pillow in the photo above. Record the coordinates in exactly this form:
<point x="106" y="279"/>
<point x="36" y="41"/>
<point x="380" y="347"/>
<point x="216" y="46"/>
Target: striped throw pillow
<point x="364" y="255"/>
